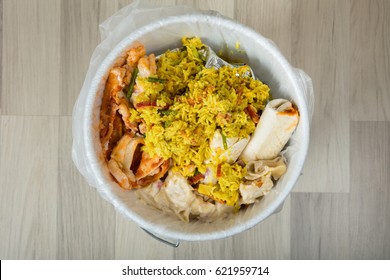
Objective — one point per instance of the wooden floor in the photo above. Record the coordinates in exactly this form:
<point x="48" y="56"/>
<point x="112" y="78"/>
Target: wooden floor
<point x="340" y="208"/>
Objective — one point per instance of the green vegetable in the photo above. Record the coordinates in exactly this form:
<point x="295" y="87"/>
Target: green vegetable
<point x="167" y="123"/>
<point x="197" y="172"/>
<point x="156" y="80"/>
<point x="166" y="112"/>
<point x="132" y="82"/>
<point x="225" y="146"/>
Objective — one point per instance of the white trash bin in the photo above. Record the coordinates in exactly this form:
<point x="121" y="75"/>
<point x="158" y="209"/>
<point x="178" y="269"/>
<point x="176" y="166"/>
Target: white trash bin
<point x="162" y="33"/>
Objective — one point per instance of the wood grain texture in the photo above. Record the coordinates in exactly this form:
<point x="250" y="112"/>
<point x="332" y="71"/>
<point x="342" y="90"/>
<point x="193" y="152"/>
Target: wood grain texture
<point x="268" y="240"/>
<point x="271" y="18"/>
<point x="319" y="226"/>
<point x="320" y="47"/>
<point x="131" y="242"/>
<point x="31" y="57"/>
<point x="123" y="3"/>
<point x="225" y="8"/>
<point x="215" y="249"/>
<point x="370" y="190"/>
<point x="85" y="221"/>
<point x="370" y="60"/>
<point x="79" y="37"/>
<point x="1" y="54"/>
<point x="28" y="187"/>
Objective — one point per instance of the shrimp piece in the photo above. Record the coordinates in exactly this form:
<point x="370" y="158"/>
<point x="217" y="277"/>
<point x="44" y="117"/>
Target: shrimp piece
<point x="127" y="77"/>
<point x="108" y="112"/>
<point x="148" y="165"/>
<point x="142" y="127"/>
<point x="152" y="64"/>
<point x="115" y="82"/>
<point x="123" y="109"/>
<point x="115" y="165"/>
<point x="124" y="159"/>
<point x="156" y="175"/>
<point x="130" y="168"/>
<point x="114" y="85"/>
<point x="114" y="101"/>
<point x="147" y="66"/>
<point x="134" y="54"/>
<point x="118" y="174"/>
<point x="151" y="169"/>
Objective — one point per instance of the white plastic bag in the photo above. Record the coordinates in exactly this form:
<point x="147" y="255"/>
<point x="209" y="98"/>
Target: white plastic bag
<point x="160" y="28"/>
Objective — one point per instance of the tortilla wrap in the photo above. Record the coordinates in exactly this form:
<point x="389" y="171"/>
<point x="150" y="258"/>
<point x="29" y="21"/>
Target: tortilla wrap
<point x="263" y="167"/>
<point x="177" y="197"/>
<point x="252" y="190"/>
<point x="234" y="147"/>
<point x="277" y="123"/>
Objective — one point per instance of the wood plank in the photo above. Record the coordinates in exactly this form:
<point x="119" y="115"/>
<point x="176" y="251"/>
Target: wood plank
<point x="320" y="47"/>
<point x="131" y="242"/>
<point x="370" y="60"/>
<point x="123" y="3"/>
<point x="268" y="240"/>
<point x="85" y="221"/>
<point x="370" y="190"/>
<point x="271" y="18"/>
<point x="31" y="50"/>
<point x="28" y="187"/>
<point x="319" y="226"/>
<point x="226" y="8"/>
<point x="1" y="54"/>
<point x="79" y="38"/>
<point x="221" y="249"/>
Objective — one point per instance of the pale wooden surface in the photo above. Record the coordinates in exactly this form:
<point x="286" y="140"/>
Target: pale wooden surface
<point x="340" y="208"/>
<point x="31" y="47"/>
<point x="320" y="46"/>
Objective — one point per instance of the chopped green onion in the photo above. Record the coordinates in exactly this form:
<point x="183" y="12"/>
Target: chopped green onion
<point x="156" y="80"/>
<point x="196" y="172"/>
<point x="132" y="82"/>
<point x="166" y="112"/>
<point x="167" y="123"/>
<point x="225" y="146"/>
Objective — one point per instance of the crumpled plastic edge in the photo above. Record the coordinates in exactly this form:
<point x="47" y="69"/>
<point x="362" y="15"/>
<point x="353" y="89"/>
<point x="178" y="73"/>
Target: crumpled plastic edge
<point x="306" y="84"/>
